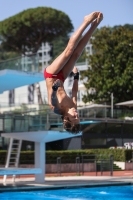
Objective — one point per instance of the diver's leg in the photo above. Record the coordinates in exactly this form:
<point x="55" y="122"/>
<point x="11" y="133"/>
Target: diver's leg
<point x="63" y="58"/>
<point x="81" y="45"/>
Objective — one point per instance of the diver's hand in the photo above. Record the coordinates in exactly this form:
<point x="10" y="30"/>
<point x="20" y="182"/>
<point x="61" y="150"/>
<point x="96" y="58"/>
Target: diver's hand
<point x="75" y="73"/>
<point x="75" y="70"/>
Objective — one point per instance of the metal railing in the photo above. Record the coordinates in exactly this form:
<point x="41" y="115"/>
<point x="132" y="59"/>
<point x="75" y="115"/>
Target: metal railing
<point x="104" y="164"/>
<point x="32" y="120"/>
<point x="119" y="113"/>
<point x="78" y="165"/>
<point x="99" y="163"/>
<point x="25" y="63"/>
<point x="84" y="112"/>
<point x="58" y="164"/>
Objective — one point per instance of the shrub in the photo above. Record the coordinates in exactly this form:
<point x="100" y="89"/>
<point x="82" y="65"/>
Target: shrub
<point x="69" y="156"/>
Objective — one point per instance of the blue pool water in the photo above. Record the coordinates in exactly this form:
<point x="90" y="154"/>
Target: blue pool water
<point x="95" y="193"/>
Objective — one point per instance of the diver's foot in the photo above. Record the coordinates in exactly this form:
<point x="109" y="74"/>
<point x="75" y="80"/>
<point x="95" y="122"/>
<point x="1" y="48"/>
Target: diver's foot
<point x="91" y="17"/>
<point x="97" y="21"/>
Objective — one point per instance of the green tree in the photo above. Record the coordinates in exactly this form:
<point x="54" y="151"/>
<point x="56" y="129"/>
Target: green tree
<point x="28" y="29"/>
<point x="111" y="64"/>
<point x="4" y="55"/>
<point x="59" y="44"/>
<point x="128" y="26"/>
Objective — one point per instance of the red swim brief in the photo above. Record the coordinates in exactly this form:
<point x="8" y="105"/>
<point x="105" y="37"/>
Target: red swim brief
<point x="57" y="76"/>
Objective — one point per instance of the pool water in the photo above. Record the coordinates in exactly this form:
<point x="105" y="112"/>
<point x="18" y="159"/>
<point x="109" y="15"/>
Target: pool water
<point x="95" y="193"/>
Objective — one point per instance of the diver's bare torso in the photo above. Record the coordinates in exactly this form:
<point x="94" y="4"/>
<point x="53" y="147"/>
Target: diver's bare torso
<point x="64" y="101"/>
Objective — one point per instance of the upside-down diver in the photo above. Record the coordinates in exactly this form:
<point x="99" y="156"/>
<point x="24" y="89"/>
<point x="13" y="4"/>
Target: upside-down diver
<point x="57" y="72"/>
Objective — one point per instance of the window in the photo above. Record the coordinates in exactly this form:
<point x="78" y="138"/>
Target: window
<point x="31" y="93"/>
<point x="128" y="130"/>
<point x="11" y="97"/>
<point x="93" y="129"/>
<point x="94" y="142"/>
<point x="40" y="54"/>
<point x="113" y="128"/>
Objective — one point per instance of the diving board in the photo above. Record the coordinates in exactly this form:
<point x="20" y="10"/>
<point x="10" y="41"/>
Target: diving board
<point x="90" y="122"/>
<point x="10" y="79"/>
<point x="40" y="138"/>
<point x="18" y="171"/>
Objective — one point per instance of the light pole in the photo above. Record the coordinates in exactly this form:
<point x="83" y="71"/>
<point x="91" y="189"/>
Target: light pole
<point x="92" y="91"/>
<point x="112" y="98"/>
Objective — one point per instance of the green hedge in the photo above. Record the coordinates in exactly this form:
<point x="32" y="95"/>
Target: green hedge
<point x="3" y="155"/>
<point x="69" y="156"/>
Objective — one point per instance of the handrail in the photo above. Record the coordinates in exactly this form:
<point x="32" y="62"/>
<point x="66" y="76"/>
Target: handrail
<point x="83" y="113"/>
<point x="28" y="63"/>
<point x="15" y="58"/>
<point x="42" y="119"/>
<point x="105" y="163"/>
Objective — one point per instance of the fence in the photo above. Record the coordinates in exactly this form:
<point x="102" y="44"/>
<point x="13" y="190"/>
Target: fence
<point x="26" y="63"/>
<point x="87" y="163"/>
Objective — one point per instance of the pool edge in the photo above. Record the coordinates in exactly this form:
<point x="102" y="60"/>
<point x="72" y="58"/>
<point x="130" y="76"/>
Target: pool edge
<point x="54" y="187"/>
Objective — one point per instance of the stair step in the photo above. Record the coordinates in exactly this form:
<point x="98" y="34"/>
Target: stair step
<point x="14" y="153"/>
<point x="106" y="166"/>
<point x="13" y="156"/>
<point x="12" y="162"/>
<point x="14" y="148"/>
<point x="15" y="143"/>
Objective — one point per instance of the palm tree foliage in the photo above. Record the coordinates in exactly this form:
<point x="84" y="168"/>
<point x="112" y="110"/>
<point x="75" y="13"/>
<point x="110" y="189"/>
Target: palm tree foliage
<point x="27" y="30"/>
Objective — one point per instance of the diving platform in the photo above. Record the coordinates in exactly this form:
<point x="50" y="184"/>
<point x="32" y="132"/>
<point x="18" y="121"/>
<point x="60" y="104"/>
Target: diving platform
<point x="40" y="138"/>
<point x="19" y="71"/>
<point x="10" y="79"/>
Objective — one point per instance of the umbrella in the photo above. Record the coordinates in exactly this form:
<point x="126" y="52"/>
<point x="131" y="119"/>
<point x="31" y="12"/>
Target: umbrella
<point x="125" y="103"/>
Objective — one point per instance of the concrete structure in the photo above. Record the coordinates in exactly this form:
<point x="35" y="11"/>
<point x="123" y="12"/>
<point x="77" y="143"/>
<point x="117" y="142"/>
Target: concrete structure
<point x="40" y="138"/>
<point x="26" y="72"/>
<point x="11" y="79"/>
<point x="88" y="180"/>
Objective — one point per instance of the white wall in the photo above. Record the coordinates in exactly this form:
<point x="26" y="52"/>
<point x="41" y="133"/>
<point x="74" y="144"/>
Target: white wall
<point x="21" y="95"/>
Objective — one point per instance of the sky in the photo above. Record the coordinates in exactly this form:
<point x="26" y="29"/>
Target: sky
<point x="115" y="12"/>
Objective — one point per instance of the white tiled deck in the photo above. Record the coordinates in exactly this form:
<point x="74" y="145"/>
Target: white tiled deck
<point x="65" y="182"/>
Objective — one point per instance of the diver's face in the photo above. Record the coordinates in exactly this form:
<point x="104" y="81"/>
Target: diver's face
<point x="73" y="116"/>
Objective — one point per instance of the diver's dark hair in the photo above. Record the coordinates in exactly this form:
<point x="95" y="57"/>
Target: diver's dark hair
<point x="72" y="128"/>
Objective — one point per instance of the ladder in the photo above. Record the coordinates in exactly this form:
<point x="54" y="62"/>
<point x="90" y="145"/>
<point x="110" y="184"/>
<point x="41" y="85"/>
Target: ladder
<point x="13" y="155"/>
